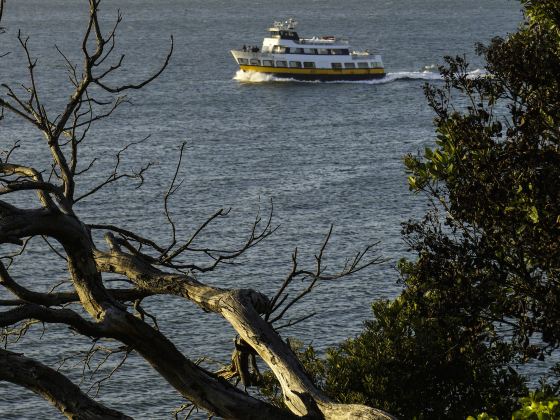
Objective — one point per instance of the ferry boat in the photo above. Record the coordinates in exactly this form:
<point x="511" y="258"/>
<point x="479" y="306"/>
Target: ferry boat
<point x="284" y="54"/>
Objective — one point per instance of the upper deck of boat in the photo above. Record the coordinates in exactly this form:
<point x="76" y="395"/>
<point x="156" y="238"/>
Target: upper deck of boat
<point x="285" y="32"/>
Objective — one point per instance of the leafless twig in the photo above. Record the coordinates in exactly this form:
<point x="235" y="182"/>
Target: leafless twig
<point x="167" y="196"/>
<point x="351" y="266"/>
<point x="115" y="175"/>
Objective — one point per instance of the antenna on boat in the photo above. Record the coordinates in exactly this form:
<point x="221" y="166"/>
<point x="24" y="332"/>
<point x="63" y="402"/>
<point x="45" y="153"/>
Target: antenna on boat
<point x="291" y="23"/>
<point x="288" y="25"/>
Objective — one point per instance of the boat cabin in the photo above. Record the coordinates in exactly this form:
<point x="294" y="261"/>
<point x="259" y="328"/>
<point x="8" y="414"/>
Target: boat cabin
<point x="283" y="34"/>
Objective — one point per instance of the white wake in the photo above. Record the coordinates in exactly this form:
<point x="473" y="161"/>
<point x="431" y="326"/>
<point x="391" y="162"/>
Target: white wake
<point x="254" y="77"/>
<point x="427" y="73"/>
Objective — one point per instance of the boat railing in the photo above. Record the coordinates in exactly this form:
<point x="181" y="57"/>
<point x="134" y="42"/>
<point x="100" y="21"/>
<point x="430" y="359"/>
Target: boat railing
<point x="323" y="40"/>
<point x="362" y="54"/>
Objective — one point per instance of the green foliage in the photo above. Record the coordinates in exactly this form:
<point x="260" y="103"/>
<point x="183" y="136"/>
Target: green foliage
<point x="543" y="13"/>
<point x="483" y="416"/>
<point x="412" y="366"/>
<point x="538" y="405"/>
<point x="418" y="366"/>
<point x="490" y="249"/>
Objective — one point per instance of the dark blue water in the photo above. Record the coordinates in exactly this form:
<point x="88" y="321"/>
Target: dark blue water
<point x="322" y="153"/>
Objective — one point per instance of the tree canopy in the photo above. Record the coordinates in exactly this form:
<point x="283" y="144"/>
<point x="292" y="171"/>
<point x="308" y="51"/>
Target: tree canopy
<point x="490" y="249"/>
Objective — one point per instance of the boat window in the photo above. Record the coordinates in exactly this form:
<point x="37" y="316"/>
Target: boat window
<point x="336" y="65"/>
<point x="255" y="62"/>
<point x="310" y="51"/>
<point x="268" y="63"/>
<point x="242" y="61"/>
<point x="376" y="65"/>
<point x="279" y="49"/>
<point x="295" y="64"/>
<point x="274" y="34"/>
<point x="309" y="64"/>
<point x="339" y="52"/>
<point x="363" y="65"/>
<point x="297" y="50"/>
<point x="281" y="64"/>
<point x="289" y="35"/>
<point x="350" y="65"/>
<point x="322" y="51"/>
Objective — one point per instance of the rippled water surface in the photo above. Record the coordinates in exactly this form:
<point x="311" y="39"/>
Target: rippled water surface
<point x="323" y="153"/>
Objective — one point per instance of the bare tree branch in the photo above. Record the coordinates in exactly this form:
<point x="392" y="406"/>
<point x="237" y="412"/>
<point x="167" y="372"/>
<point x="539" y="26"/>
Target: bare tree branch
<point x="129" y="235"/>
<point x="241" y="308"/>
<point x="1" y="13"/>
<point x="53" y="386"/>
<point x="115" y="175"/>
<point x="140" y="85"/>
<point x="358" y="263"/>
<point x="170" y="191"/>
<point x="61" y="298"/>
<point x="256" y="236"/>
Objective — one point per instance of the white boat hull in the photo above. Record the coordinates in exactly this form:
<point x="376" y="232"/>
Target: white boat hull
<point x="305" y="67"/>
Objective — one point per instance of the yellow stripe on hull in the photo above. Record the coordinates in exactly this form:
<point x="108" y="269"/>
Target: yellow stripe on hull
<point x="314" y="72"/>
